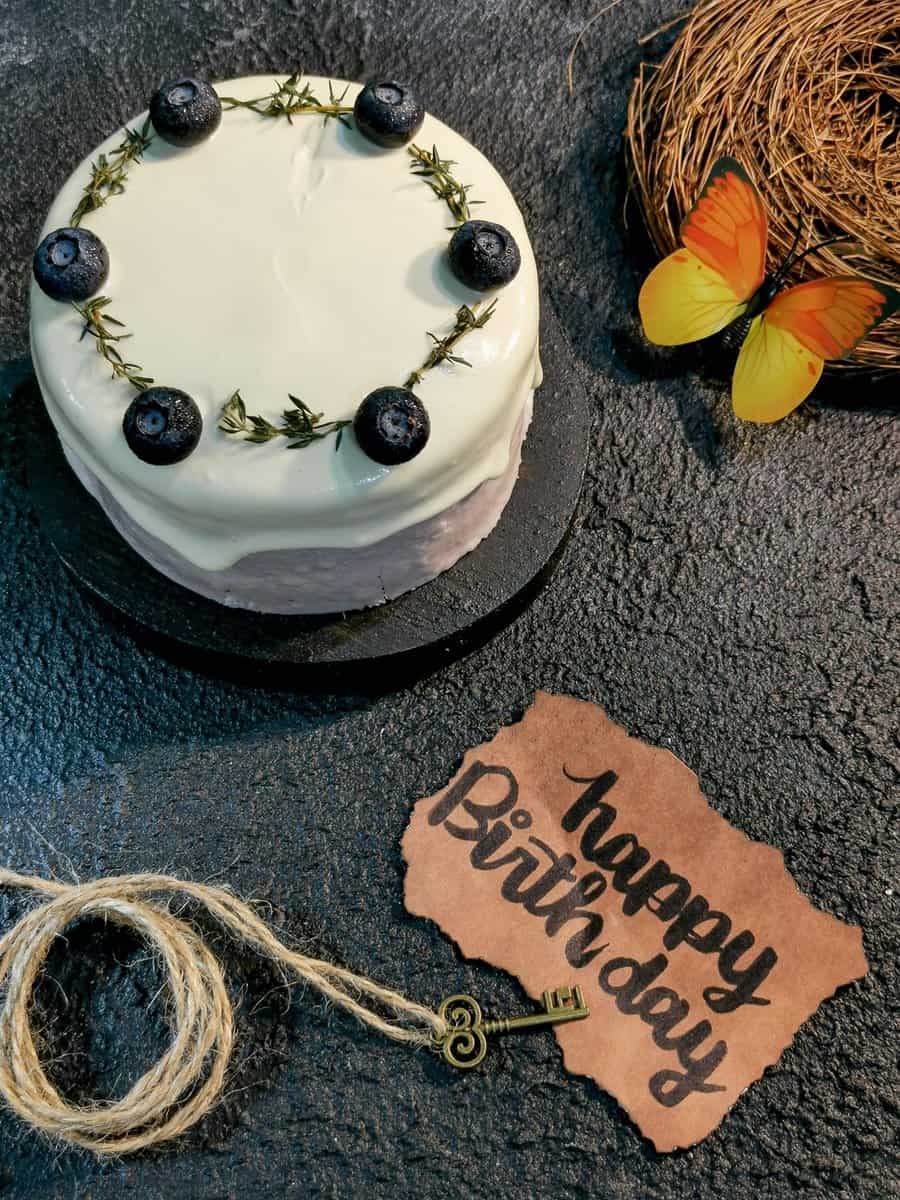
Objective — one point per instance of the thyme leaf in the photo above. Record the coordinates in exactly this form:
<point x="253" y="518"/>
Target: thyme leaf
<point x="299" y="423"/>
<point x="97" y="324"/>
<point x="467" y="319"/>
<point x="293" y="97"/>
<point x="437" y="172"/>
<point x="108" y="173"/>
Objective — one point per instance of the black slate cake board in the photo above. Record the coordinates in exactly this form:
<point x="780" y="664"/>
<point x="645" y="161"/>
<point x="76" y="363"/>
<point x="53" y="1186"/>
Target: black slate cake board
<point x="437" y="621"/>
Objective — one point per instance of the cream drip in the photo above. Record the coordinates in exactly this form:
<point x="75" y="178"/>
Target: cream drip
<point x="288" y="258"/>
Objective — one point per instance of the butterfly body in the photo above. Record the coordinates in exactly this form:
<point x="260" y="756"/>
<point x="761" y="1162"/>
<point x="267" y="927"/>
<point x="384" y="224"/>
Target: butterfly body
<point x="764" y="295"/>
<point x="734" y="335"/>
<point x="717" y="283"/>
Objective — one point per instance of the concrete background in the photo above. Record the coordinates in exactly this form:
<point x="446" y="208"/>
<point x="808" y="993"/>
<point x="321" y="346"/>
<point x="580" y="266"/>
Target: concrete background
<point x="729" y="592"/>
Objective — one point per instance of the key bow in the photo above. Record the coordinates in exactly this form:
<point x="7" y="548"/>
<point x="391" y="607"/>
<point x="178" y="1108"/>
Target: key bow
<point x="464" y="1044"/>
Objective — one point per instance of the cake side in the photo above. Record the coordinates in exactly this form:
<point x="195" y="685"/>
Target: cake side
<point x="319" y="579"/>
<point x="289" y="258"/>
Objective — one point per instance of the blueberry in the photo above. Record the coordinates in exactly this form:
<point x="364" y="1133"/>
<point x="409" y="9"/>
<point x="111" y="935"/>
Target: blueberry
<point x="185" y="111"/>
<point x="162" y="425"/>
<point x="484" y="255"/>
<point x="70" y="264"/>
<point x="388" y="113"/>
<point x="391" y="425"/>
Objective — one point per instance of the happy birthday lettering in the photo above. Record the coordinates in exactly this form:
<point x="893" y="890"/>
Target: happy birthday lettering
<point x="566" y="851"/>
<point x="562" y="891"/>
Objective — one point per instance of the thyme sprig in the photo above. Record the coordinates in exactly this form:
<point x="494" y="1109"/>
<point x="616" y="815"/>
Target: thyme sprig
<point x="438" y="174"/>
<point x="467" y="319"/>
<point x="294" y="98"/>
<point x="97" y="323"/>
<point x="108" y="173"/>
<point x="301" y="426"/>
<point x="299" y="423"/>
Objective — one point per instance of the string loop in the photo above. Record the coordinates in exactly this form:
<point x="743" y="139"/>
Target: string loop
<point x="186" y="1082"/>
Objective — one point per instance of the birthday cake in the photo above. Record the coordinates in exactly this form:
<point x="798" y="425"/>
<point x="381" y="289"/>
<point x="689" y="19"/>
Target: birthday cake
<point x="282" y="347"/>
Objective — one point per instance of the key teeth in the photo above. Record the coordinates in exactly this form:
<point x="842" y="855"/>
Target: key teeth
<point x="562" y="998"/>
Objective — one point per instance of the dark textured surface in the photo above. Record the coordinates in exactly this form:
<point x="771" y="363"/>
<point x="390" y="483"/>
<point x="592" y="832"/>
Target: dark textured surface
<point x="729" y="592"/>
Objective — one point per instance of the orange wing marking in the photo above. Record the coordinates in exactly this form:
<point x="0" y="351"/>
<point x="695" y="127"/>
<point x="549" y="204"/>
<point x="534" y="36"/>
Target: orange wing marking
<point x="727" y="228"/>
<point x="830" y="316"/>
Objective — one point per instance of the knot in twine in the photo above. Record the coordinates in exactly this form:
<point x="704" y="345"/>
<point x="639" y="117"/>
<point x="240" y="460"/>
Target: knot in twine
<point x="187" y="1080"/>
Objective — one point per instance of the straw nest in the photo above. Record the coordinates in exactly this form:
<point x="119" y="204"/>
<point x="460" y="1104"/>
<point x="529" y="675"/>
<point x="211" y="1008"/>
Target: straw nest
<point x="804" y="93"/>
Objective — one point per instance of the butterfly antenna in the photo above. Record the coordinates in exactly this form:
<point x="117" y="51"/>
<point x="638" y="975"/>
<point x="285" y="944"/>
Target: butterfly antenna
<point x="792" y="262"/>
<point x="779" y="274"/>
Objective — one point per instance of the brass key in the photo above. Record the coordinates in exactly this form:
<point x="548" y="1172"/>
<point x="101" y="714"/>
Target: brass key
<point x="464" y="1044"/>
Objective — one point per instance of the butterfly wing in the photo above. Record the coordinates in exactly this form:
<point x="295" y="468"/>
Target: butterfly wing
<point x="700" y="289"/>
<point x="774" y="373"/>
<point x="783" y="354"/>
<point x="727" y="228"/>
<point x="830" y="316"/>
<point x="683" y="300"/>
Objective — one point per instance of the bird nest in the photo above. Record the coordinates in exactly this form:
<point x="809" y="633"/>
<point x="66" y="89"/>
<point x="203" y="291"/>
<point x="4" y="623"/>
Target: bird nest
<point x="806" y="95"/>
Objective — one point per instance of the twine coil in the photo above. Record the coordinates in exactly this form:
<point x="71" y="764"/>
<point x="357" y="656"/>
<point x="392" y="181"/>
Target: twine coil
<point x="806" y="95"/>
<point x="187" y="1080"/>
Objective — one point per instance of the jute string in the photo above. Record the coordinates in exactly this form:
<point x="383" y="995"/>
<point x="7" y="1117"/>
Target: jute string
<point x="187" y="1080"/>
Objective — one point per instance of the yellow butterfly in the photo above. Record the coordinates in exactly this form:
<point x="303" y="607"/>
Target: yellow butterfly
<point x="718" y="281"/>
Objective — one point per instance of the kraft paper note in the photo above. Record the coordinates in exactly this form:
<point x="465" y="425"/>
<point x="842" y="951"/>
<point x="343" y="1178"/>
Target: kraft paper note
<point x="568" y="853"/>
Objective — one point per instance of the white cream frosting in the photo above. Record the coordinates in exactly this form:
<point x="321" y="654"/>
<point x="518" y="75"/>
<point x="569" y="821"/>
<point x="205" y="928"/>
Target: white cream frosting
<point x="279" y="258"/>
